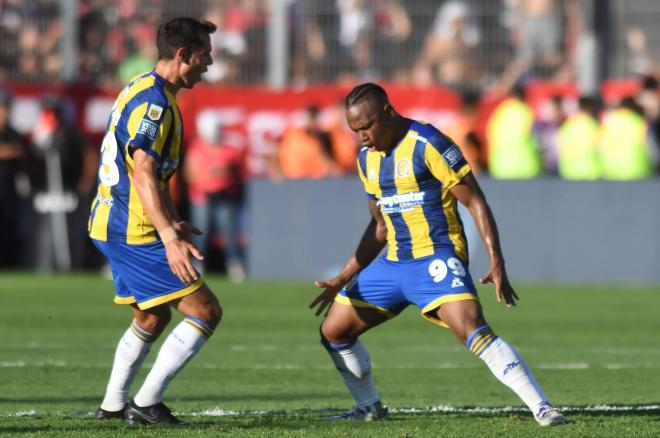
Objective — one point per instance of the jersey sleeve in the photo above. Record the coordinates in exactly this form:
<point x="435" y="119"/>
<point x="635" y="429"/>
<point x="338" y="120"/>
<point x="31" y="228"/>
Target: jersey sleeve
<point x="445" y="160"/>
<point x="148" y="127"/>
<point x="362" y="172"/>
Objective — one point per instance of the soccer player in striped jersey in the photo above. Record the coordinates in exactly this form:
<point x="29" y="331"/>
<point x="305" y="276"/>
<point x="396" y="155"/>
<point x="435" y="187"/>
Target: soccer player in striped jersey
<point x="134" y="223"/>
<point x="413" y="176"/>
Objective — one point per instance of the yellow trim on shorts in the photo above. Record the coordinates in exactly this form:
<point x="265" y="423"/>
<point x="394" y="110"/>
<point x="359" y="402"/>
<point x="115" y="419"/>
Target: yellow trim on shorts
<point x="171" y="296"/>
<point x="442" y="300"/>
<point x="363" y="304"/>
<point x="124" y="300"/>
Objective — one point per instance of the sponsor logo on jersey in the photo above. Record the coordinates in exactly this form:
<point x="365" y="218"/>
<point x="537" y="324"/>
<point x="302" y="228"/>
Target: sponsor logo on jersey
<point x="452" y="155"/>
<point x="403" y="168"/>
<point x="372" y="174"/>
<point x="154" y="112"/>
<point x="103" y="200"/>
<point x="150" y="129"/>
<point x="401" y="203"/>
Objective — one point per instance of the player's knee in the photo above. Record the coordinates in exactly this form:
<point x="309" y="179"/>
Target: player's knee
<point x="335" y="342"/>
<point x="211" y="313"/>
<point x="154" y="322"/>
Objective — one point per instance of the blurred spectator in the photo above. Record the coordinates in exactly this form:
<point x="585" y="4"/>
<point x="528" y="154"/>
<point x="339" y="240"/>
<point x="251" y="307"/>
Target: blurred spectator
<point x="447" y="55"/>
<point x="512" y="150"/>
<point x="306" y="152"/>
<point x="214" y="174"/>
<point x="578" y="157"/>
<point x="307" y="44"/>
<point x="649" y="100"/>
<point x="356" y="28"/>
<point x="12" y="155"/>
<point x="393" y="27"/>
<point x="536" y="36"/>
<point x="546" y="131"/>
<point x="625" y="152"/>
<point x="581" y="57"/>
<point x="463" y="130"/>
<point x="344" y="144"/>
<point x="640" y="61"/>
<point x="145" y="56"/>
<point x="239" y="44"/>
<point x="60" y="189"/>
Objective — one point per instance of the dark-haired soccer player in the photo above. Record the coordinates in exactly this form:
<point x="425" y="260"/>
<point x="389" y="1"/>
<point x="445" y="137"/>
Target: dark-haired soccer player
<point x="413" y="175"/>
<point x="134" y="223"/>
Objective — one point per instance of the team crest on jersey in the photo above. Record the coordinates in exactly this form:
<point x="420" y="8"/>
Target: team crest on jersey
<point x="154" y="112"/>
<point x="403" y="168"/>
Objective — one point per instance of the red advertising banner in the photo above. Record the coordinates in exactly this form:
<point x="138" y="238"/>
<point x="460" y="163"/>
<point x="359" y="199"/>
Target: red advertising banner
<point x="256" y="117"/>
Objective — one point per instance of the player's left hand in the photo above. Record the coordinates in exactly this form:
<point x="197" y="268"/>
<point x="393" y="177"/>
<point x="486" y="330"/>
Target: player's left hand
<point x="327" y="297"/>
<point x="503" y="290"/>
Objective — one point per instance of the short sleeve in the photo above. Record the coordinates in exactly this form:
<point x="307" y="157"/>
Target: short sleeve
<point x="148" y="127"/>
<point x="362" y="172"/>
<point x="445" y="160"/>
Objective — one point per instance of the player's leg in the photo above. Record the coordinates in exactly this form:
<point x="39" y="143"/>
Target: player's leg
<point x="466" y="320"/>
<point x="131" y="351"/>
<point x="340" y="333"/>
<point x="373" y="298"/>
<point x="202" y="313"/>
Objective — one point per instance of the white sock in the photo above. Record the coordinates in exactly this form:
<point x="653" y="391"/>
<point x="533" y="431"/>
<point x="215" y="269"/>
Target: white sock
<point x="355" y="368"/>
<point x="180" y="346"/>
<point x="133" y="347"/>
<point x="508" y="366"/>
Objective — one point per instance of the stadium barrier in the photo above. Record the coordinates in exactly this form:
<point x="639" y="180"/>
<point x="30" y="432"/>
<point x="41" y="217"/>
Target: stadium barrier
<point x="552" y="230"/>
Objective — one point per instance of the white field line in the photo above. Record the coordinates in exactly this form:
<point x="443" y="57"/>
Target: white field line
<point x="219" y="412"/>
<point x="446" y="409"/>
<point x="558" y="366"/>
<point x="266" y="348"/>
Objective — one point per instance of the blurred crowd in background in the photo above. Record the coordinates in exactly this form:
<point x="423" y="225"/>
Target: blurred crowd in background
<point x="463" y="43"/>
<point x="48" y="174"/>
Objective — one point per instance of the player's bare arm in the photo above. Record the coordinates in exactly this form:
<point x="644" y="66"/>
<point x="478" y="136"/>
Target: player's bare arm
<point x="154" y="201"/>
<point x="470" y="195"/>
<point x="371" y="244"/>
<point x="184" y="229"/>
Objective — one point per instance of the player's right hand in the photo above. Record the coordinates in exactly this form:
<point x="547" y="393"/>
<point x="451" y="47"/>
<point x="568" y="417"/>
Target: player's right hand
<point x="503" y="290"/>
<point x="178" y="253"/>
<point x="327" y="297"/>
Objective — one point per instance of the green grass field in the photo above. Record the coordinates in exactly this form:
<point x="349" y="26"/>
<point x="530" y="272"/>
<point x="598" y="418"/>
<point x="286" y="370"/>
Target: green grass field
<point x="264" y="373"/>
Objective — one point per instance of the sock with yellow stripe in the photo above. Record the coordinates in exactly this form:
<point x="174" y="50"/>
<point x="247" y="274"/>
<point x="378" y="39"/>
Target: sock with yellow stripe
<point x="180" y="346"/>
<point x="133" y="347"/>
<point x="507" y="365"/>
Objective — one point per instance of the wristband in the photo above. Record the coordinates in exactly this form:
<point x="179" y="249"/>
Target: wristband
<point x="167" y="235"/>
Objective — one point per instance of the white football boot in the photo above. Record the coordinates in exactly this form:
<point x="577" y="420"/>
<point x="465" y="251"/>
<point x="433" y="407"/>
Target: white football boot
<point x="372" y="412"/>
<point x="548" y="415"/>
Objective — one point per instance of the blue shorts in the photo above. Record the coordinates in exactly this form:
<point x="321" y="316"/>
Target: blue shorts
<point x="142" y="275"/>
<point x="427" y="282"/>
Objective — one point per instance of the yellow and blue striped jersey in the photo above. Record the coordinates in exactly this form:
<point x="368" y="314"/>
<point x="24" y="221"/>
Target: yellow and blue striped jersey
<point x="145" y="116"/>
<point x="411" y="186"/>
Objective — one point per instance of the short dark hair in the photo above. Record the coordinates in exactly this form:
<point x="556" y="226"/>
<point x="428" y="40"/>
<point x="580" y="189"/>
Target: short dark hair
<point x="181" y="32"/>
<point x="365" y="91"/>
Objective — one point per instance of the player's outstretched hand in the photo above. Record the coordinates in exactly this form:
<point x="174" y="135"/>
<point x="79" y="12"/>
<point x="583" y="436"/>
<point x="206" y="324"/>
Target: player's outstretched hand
<point x="178" y="253"/>
<point x="503" y="290"/>
<point x="330" y="290"/>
